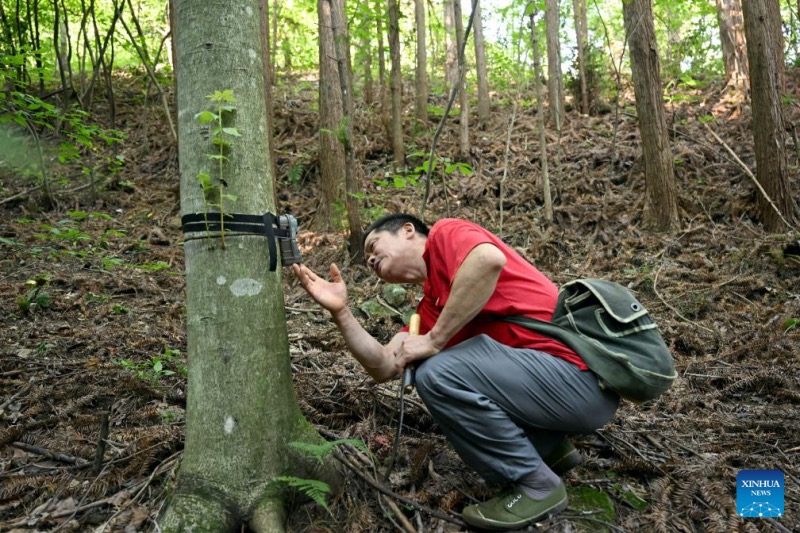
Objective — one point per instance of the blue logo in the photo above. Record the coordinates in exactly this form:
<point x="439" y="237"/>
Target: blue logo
<point x="759" y="493"/>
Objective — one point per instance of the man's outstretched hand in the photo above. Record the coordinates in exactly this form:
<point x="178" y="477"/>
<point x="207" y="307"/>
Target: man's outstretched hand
<point x="332" y="295"/>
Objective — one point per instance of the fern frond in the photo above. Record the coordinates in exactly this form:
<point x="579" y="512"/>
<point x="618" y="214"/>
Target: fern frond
<point x="319" y="451"/>
<point x="315" y="489"/>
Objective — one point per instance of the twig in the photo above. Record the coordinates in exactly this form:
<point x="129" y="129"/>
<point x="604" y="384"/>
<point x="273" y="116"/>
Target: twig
<point x="673" y="308"/>
<point x="505" y="164"/>
<point x="6" y="403"/>
<point x="383" y="490"/>
<point x="751" y="176"/>
<point x="55" y="456"/>
<point x="453" y="92"/>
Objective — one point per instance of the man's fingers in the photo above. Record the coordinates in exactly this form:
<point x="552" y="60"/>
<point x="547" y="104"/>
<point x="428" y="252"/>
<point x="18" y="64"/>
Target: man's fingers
<point x="336" y="276"/>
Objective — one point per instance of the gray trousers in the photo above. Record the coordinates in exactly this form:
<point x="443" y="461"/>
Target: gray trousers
<point x="502" y="408"/>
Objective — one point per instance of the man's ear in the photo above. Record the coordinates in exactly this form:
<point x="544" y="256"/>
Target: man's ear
<point x="409" y="230"/>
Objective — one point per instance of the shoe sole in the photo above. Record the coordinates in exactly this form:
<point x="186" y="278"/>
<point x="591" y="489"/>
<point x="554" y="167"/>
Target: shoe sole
<point x="493" y="525"/>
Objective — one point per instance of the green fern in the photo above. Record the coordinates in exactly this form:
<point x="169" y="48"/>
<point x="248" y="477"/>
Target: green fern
<point x="319" y="451"/>
<point x="313" y="488"/>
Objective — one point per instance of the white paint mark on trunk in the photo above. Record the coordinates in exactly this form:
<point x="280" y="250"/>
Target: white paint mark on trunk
<point x="221" y="280"/>
<point x="230" y="423"/>
<point x="246" y="287"/>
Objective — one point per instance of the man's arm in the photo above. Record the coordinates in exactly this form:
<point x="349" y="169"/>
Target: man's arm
<point x="473" y="285"/>
<point x="377" y="359"/>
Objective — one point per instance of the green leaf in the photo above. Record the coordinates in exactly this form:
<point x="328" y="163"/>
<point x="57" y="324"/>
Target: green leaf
<point x="232" y="131"/>
<point x="205" y="180"/>
<point x="313" y="488"/>
<point x="204" y="117"/>
<point x="158" y="366"/>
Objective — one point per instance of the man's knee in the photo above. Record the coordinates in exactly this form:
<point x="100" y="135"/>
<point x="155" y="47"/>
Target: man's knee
<point x="442" y="370"/>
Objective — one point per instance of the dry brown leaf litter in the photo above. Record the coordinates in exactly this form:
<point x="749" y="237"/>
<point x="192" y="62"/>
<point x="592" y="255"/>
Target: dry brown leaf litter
<point x="721" y="288"/>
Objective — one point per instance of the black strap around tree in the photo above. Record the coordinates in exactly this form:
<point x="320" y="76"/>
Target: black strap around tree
<point x="245" y="224"/>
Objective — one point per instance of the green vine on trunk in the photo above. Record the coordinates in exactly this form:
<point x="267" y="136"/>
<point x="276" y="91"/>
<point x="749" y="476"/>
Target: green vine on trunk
<point x="214" y="195"/>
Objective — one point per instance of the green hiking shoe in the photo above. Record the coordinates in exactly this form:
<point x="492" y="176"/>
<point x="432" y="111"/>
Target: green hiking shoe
<point x="563" y="458"/>
<point x="514" y="509"/>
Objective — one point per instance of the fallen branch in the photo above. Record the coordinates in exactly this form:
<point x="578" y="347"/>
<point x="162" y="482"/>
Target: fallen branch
<point x="55" y="456"/>
<point x="387" y="492"/>
<point x="752" y="177"/>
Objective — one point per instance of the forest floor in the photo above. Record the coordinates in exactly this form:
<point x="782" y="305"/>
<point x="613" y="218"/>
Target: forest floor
<point x="92" y="324"/>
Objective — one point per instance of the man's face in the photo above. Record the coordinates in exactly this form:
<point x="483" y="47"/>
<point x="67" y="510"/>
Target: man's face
<point x="389" y="254"/>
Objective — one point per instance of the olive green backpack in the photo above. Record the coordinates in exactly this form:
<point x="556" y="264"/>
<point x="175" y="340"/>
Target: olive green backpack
<point x="614" y="334"/>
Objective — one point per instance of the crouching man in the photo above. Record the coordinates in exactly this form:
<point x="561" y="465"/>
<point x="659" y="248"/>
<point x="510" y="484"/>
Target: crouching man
<point x="505" y="397"/>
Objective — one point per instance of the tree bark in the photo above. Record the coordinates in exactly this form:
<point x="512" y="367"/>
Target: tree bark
<point x="555" y="83"/>
<point x="331" y="151"/>
<point x="268" y="78"/>
<point x="582" y="39"/>
<point x="480" y="69"/>
<point x="762" y="25"/>
<point x="463" y="96"/>
<point x="537" y="70"/>
<point x="421" y="73"/>
<point x="241" y="408"/>
<point x="341" y="37"/>
<point x="383" y="93"/>
<point x="450" y="43"/>
<point x="661" y="194"/>
<point x="734" y="46"/>
<point x="398" y="149"/>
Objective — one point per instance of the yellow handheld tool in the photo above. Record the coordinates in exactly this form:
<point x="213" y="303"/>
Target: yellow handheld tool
<point x="408" y="371"/>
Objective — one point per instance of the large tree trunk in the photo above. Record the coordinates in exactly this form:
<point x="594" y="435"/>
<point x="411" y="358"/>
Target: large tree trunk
<point x="762" y="24"/>
<point x="398" y="149"/>
<point x="421" y="73"/>
<point x="734" y="47"/>
<point x="582" y="39"/>
<point x="661" y="200"/>
<point x="480" y="68"/>
<point x="331" y="151"/>
<point x="241" y="408"/>
<point x="555" y="83"/>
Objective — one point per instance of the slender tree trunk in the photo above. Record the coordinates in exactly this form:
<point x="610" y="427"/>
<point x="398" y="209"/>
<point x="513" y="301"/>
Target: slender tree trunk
<point x="555" y="83"/>
<point x="383" y="92"/>
<point x="341" y="35"/>
<point x="450" y="43"/>
<point x="421" y="73"/>
<point x="762" y="24"/>
<point x="463" y="96"/>
<point x="661" y="201"/>
<point x="398" y="149"/>
<point x="537" y="70"/>
<point x="241" y="410"/>
<point x="366" y="56"/>
<point x="276" y="9"/>
<point x="331" y="151"/>
<point x="734" y="46"/>
<point x="582" y="38"/>
<point x="480" y="68"/>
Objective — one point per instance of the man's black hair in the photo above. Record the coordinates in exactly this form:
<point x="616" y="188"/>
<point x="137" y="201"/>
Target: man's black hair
<point x="393" y="223"/>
